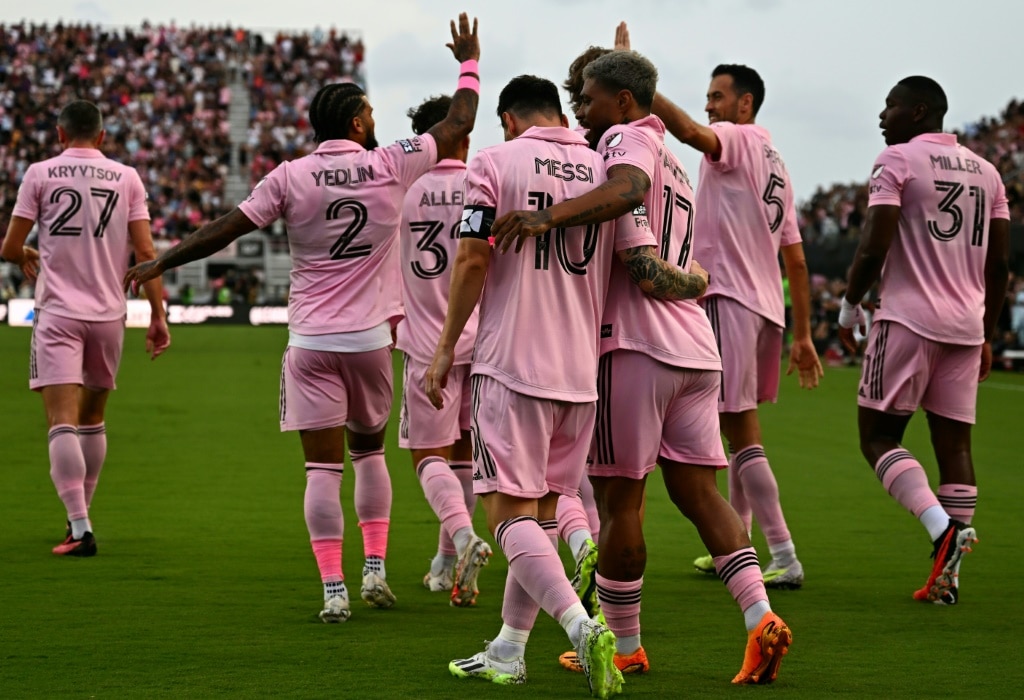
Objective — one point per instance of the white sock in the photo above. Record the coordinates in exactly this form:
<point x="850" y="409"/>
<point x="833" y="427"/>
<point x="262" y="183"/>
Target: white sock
<point x="510" y="644"/>
<point x="462" y="537"/>
<point x="441" y="563"/>
<point x="578" y="540"/>
<point x="627" y="645"/>
<point x="335" y="589"/>
<point x="375" y="565"/>
<point x="752" y="615"/>
<point x="934" y="519"/>
<point x="80" y="527"/>
<point x="783" y="553"/>
<point x="572" y="621"/>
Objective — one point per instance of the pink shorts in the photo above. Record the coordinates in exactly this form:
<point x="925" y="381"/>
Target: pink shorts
<point x="420" y="425"/>
<point x="903" y="370"/>
<point x="649" y="411"/>
<point x="70" y="351"/>
<point x="321" y="389"/>
<point x="525" y="446"/>
<point x="751" y="349"/>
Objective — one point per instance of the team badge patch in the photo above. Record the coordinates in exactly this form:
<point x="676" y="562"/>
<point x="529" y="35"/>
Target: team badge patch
<point x="613" y="140"/>
<point x="410" y="146"/>
<point x="878" y="172"/>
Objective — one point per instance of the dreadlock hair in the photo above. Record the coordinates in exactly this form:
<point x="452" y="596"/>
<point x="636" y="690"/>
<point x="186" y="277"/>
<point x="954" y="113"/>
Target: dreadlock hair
<point x="333" y="108"/>
<point x="432" y="111"/>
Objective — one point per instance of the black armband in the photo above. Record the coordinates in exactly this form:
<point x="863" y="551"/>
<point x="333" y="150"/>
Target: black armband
<point x="477" y="222"/>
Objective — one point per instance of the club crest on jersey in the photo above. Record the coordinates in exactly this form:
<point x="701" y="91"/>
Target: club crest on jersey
<point x="410" y="146"/>
<point x="640" y="210"/>
<point x="878" y="172"/>
<point x="613" y="140"/>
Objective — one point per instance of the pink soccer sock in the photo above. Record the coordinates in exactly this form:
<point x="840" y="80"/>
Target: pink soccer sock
<point x="737" y="498"/>
<point x="590" y="506"/>
<point x="550" y="528"/>
<point x="93" y="439"/>
<point x="464" y="472"/>
<point x="67" y="470"/>
<point x="571" y="517"/>
<point x="620" y="603"/>
<point x="536" y="565"/>
<point x="741" y="574"/>
<point x="373" y="500"/>
<point x="762" y="492"/>
<point x="518" y="609"/>
<point x="904" y="478"/>
<point x="444" y="494"/>
<point x="324" y="520"/>
<point x="959" y="500"/>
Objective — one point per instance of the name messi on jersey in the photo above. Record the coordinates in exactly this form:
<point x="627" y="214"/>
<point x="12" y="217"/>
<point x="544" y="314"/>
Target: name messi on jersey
<point x="564" y="171"/>
<point x="967" y="165"/>
<point x="84" y="171"/>
<point x="343" y="176"/>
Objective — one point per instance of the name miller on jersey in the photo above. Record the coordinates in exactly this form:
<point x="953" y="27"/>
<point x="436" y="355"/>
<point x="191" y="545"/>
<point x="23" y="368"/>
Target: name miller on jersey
<point x="968" y="165"/>
<point x="343" y="176"/>
<point x="59" y="171"/>
<point x="564" y="171"/>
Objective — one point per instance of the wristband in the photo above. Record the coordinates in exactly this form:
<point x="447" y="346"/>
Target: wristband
<point x="469" y="82"/>
<point x="850" y="315"/>
<point x="470" y="66"/>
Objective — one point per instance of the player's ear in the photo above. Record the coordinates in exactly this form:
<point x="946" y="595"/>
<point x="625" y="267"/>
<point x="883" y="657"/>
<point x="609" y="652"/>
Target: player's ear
<point x="565" y="121"/>
<point x="624" y="100"/>
<point x="99" y="139"/>
<point x="62" y="136"/>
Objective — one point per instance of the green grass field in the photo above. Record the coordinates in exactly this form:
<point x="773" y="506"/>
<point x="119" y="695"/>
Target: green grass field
<point x="205" y="585"/>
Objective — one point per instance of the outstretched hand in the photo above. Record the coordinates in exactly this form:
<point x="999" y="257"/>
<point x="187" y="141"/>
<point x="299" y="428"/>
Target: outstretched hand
<point x="140" y="274"/>
<point x="622" y="37"/>
<point x="465" y="44"/>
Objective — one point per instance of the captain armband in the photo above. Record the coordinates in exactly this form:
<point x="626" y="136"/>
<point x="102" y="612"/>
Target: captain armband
<point x="477" y="222"/>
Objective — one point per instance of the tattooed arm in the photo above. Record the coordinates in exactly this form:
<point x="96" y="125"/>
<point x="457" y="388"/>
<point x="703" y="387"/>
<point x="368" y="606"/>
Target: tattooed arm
<point x="203" y="243"/>
<point x="623" y="192"/>
<point x="660" y="279"/>
<point x="450" y="132"/>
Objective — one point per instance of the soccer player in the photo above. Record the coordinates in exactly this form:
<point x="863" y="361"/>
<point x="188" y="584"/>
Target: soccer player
<point x="439" y="440"/>
<point x="534" y="374"/>
<point x="745" y="214"/>
<point x="92" y="214"/>
<point x="342" y="206"/>
<point x="937" y="235"/>
<point x="659" y="381"/>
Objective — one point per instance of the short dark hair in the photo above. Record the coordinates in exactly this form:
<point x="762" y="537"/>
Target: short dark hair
<point x="432" y="111"/>
<point x="528" y="94"/>
<point x="626" y="70"/>
<point x="333" y="108"/>
<point x="80" y="120"/>
<point x="574" y="83"/>
<point x="745" y="81"/>
<point x="929" y="92"/>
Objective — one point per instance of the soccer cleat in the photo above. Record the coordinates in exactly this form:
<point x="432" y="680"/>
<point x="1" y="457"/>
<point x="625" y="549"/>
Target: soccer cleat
<point x="335" y="610"/>
<point x="476" y="556"/>
<point x="942" y="585"/>
<point x="584" y="582"/>
<point x="787" y="578"/>
<point x="442" y="582"/>
<point x="595" y="653"/>
<point x="766" y="645"/>
<point x="626" y="663"/>
<point x="84" y="547"/>
<point x="705" y="565"/>
<point x="375" y="591"/>
<point x="484" y="667"/>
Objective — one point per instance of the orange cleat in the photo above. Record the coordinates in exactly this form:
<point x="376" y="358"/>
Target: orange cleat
<point x="766" y="645"/>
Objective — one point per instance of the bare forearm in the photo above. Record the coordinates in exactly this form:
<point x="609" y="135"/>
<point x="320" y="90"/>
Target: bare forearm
<point x="800" y="296"/>
<point x="457" y="125"/>
<point x="215" y="236"/>
<point x="467" y="284"/>
<point x="864" y="272"/>
<point x="659" y="279"/>
<point x="622" y="193"/>
<point x="682" y="125"/>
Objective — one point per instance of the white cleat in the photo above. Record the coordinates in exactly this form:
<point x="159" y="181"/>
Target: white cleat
<point x="475" y="557"/>
<point x="335" y="610"/>
<point x="375" y="591"/>
<point x="443" y="582"/>
<point x="484" y="667"/>
<point x="783" y="578"/>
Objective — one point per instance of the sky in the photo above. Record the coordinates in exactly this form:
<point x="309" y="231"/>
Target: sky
<point x="827" y="64"/>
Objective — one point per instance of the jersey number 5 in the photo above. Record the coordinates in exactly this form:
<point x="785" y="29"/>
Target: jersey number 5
<point x="776" y="207"/>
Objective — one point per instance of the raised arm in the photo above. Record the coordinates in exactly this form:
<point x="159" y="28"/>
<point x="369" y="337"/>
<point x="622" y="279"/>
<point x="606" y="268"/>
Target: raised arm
<point x="215" y="236"/>
<point x="802" y="355"/>
<point x="660" y="279"/>
<point x="450" y="132"/>
<point x="683" y="127"/>
<point x="997" y="273"/>
<point x="623" y="192"/>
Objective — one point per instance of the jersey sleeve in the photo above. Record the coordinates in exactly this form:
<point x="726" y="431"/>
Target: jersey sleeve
<point x="790" y="226"/>
<point x="1000" y="204"/>
<point x="622" y="145"/>
<point x="730" y="139"/>
<point x="266" y="202"/>
<point x="410" y="158"/>
<point x="481" y="199"/>
<point x="888" y="177"/>
<point x="633" y="230"/>
<point x="27" y="204"/>
<point x="137" y="208"/>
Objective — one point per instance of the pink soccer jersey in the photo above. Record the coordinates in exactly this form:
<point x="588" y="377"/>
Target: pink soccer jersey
<point x="674" y="332"/>
<point x="933" y="280"/>
<point x="745" y="212"/>
<point x="342" y="206"/>
<point x="541" y="309"/>
<point x="429" y="238"/>
<point x="82" y="202"/>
